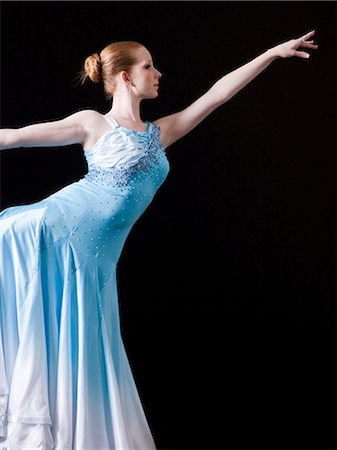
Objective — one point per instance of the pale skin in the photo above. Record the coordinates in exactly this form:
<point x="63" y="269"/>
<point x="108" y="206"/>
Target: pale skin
<point x="87" y="126"/>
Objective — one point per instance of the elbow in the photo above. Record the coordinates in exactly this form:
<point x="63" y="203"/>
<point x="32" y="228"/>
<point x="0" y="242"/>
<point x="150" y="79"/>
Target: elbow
<point x="9" y="138"/>
<point x="218" y="97"/>
<point x="5" y="141"/>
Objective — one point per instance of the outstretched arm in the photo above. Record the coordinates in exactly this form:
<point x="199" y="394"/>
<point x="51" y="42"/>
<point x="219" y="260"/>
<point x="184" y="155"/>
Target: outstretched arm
<point x="177" y="125"/>
<point x="70" y="130"/>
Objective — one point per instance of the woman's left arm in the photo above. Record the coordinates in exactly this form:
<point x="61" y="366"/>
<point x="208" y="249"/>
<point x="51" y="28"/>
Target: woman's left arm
<point x="230" y="84"/>
<point x="175" y="126"/>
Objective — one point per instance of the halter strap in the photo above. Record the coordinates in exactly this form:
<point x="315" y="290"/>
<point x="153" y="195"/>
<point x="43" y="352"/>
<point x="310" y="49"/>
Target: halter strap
<point x="111" y="120"/>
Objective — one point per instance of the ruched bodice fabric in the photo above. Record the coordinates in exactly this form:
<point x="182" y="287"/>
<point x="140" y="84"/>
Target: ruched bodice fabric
<point x="65" y="379"/>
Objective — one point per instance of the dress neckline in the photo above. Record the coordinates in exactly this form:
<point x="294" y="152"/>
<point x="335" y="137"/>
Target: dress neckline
<point x="114" y="121"/>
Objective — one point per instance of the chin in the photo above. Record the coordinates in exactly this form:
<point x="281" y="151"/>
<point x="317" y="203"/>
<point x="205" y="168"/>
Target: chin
<point x="152" y="96"/>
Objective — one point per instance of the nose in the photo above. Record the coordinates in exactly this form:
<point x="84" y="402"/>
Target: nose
<point x="159" y="75"/>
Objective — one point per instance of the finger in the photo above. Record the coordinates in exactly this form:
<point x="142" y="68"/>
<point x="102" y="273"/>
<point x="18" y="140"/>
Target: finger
<point x="308" y="44"/>
<point x="304" y="55"/>
<point x="308" y="35"/>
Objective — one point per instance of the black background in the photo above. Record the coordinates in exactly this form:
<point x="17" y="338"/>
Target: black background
<point x="226" y="282"/>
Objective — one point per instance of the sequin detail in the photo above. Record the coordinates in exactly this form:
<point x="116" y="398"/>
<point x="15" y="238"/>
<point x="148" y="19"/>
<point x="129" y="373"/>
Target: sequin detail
<point x="148" y="145"/>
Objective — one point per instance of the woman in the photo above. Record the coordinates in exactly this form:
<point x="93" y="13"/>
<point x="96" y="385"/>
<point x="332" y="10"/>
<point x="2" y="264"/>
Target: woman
<point x="65" y="380"/>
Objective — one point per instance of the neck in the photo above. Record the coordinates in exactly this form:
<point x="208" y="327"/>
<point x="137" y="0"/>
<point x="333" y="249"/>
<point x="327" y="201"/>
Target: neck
<point x="126" y="108"/>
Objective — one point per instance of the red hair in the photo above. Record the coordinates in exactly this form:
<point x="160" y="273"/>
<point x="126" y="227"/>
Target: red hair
<point x="114" y="58"/>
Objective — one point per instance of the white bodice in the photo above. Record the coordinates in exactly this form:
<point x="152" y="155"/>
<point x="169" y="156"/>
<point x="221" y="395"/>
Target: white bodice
<point x="117" y="148"/>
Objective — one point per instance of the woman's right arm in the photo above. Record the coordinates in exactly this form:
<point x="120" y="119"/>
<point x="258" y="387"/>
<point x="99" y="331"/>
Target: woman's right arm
<point x="70" y="130"/>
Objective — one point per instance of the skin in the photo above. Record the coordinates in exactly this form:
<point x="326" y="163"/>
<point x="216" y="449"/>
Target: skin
<point x="87" y="126"/>
<point x="134" y="87"/>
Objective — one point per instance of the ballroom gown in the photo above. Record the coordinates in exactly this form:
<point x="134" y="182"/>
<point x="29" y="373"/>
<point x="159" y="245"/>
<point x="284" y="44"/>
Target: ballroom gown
<point x="65" y="378"/>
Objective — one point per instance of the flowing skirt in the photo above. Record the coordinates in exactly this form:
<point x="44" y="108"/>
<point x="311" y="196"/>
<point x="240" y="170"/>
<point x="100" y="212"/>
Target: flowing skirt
<point x="65" y="379"/>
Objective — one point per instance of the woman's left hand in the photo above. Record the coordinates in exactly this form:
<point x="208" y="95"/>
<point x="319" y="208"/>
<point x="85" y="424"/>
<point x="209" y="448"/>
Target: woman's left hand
<point x="290" y="48"/>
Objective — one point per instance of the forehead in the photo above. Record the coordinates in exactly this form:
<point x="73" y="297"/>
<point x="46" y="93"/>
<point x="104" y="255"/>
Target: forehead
<point x="143" y="54"/>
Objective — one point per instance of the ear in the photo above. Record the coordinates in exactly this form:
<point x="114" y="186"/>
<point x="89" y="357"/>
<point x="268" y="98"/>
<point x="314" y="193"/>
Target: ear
<point x="125" y="77"/>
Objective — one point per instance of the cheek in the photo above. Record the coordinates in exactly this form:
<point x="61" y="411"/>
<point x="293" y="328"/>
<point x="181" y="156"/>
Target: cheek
<point x="146" y="81"/>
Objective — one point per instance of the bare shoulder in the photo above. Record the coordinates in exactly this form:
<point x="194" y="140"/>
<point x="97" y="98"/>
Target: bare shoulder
<point x="168" y="126"/>
<point x="164" y="123"/>
<point x="85" y="123"/>
<point x="95" y="126"/>
<point x="175" y="126"/>
<point x="87" y="117"/>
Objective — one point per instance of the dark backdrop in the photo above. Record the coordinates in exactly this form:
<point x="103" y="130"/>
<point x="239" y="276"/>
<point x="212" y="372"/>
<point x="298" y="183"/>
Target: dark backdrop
<point x="226" y="282"/>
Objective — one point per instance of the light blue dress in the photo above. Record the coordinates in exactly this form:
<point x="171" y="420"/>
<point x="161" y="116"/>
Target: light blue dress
<point x="65" y="379"/>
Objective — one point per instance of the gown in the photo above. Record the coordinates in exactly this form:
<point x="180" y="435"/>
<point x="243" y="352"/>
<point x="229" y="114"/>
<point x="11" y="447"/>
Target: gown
<point x="65" y="379"/>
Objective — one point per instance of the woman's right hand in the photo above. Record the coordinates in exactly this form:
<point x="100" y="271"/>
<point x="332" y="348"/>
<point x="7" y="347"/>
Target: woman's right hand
<point x="290" y="48"/>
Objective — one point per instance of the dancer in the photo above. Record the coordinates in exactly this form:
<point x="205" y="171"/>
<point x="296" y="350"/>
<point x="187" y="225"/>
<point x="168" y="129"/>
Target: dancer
<point x="65" y="379"/>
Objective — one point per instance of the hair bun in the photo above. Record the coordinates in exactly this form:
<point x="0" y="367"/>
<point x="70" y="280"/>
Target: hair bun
<point x="111" y="61"/>
<point x="93" y="67"/>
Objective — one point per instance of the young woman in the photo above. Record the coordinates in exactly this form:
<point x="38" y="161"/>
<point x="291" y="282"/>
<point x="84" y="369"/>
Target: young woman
<point x="65" y="380"/>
